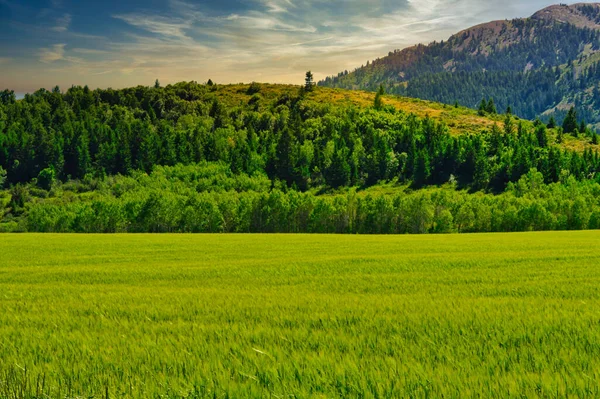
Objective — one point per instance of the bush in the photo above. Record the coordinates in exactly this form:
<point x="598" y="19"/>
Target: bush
<point x="46" y="178"/>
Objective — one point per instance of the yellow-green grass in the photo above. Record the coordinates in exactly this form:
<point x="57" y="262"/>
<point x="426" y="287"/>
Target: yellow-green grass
<point x="282" y="316"/>
<point x="459" y="120"/>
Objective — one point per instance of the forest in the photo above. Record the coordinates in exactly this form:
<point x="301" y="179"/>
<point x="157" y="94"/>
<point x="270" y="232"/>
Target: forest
<point x="196" y="157"/>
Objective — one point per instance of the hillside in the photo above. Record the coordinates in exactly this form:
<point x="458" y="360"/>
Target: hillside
<point x="270" y="158"/>
<point x="539" y="66"/>
<point x="252" y="127"/>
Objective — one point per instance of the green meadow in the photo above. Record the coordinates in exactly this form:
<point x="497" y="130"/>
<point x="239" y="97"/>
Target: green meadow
<point x="300" y="316"/>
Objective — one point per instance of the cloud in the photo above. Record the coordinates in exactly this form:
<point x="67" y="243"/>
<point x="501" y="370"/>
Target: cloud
<point x="278" y="6"/>
<point x="279" y="39"/>
<point x="262" y="40"/>
<point x="62" y="23"/>
<point x="170" y="27"/>
<point x="52" y="54"/>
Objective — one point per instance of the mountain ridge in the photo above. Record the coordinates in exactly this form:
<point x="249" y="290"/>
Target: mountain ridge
<point x="530" y="64"/>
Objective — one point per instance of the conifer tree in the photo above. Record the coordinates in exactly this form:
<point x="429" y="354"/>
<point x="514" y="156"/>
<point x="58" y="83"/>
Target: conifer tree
<point x="422" y="169"/>
<point x="542" y="136"/>
<point x="491" y="107"/>
<point x="482" y="107"/>
<point x="378" y="100"/>
<point x="570" y="122"/>
<point x="308" y="81"/>
<point x="559" y="135"/>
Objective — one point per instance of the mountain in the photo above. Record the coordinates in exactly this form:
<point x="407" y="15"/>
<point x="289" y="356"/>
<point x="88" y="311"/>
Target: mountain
<point x="539" y="66"/>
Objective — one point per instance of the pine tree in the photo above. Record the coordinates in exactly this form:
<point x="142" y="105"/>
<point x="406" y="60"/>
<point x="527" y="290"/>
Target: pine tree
<point x="482" y="107"/>
<point x="2" y="177"/>
<point x="542" y="136"/>
<point x="509" y="125"/>
<point x="308" y="81"/>
<point x="570" y="122"/>
<point x="481" y="173"/>
<point x="157" y="84"/>
<point x="559" y="135"/>
<point x="378" y="98"/>
<point x="551" y="123"/>
<point x="422" y="170"/>
<point x="491" y="107"/>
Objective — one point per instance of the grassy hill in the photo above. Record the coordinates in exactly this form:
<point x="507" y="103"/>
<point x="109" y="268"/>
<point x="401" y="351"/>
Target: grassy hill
<point x="458" y="119"/>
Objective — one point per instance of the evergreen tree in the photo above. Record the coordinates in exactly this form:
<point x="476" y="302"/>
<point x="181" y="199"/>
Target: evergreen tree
<point x="491" y="107"/>
<point x="422" y="169"/>
<point x="542" y="135"/>
<point x="285" y="162"/>
<point x="308" y="81"/>
<point x="482" y="107"/>
<point x="157" y="84"/>
<point x="551" y="123"/>
<point x="339" y="172"/>
<point x="481" y="173"/>
<point x="378" y="103"/>
<point x="559" y="135"/>
<point x="509" y="126"/>
<point x="570" y="122"/>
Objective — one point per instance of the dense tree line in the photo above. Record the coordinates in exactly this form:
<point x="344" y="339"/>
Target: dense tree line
<point x="209" y="198"/>
<point x="536" y="89"/>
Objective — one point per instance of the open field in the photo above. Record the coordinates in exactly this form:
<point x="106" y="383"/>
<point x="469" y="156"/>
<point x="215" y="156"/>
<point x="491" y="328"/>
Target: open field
<point x="281" y="316"/>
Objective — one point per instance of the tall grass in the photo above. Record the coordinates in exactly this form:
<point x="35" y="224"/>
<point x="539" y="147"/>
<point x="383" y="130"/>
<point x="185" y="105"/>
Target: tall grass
<point x="180" y="316"/>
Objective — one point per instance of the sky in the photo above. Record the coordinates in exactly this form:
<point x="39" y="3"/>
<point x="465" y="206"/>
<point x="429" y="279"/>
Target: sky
<point x="122" y="43"/>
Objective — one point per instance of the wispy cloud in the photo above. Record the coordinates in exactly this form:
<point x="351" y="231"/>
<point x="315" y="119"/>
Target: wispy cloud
<point x="54" y="53"/>
<point x="62" y="23"/>
<point x="170" y="27"/>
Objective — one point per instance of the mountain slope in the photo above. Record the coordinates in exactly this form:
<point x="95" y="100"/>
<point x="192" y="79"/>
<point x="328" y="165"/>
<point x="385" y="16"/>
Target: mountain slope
<point x="539" y="66"/>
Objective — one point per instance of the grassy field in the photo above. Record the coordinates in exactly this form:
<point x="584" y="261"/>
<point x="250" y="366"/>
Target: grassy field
<point x="139" y="316"/>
